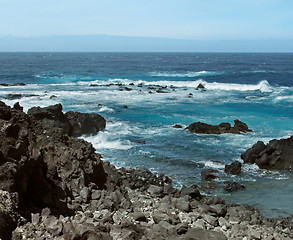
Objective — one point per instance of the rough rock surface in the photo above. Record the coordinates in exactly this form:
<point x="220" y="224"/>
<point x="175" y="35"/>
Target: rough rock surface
<point x="72" y="123"/>
<point x="277" y="154"/>
<point x="204" y="128"/>
<point x="209" y="174"/>
<point x="54" y="186"/>
<point x="231" y="186"/>
<point x="234" y="168"/>
<point x="85" y="123"/>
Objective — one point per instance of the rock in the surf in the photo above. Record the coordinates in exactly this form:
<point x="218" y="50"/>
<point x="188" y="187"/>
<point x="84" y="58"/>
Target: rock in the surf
<point x="209" y="174"/>
<point x="204" y="128"/>
<point x="231" y="186"/>
<point x="200" y="86"/>
<point x="277" y="154"/>
<point x="85" y="123"/>
<point x="234" y="168"/>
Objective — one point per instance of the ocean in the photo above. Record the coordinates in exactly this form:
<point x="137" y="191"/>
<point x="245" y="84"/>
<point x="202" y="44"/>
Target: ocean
<point x="143" y="95"/>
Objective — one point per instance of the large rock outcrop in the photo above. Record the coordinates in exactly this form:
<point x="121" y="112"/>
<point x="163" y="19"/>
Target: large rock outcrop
<point x="85" y="123"/>
<point x="277" y="154"/>
<point x="204" y="128"/>
<point x="44" y="166"/>
<point x="54" y="186"/>
<point x="72" y="123"/>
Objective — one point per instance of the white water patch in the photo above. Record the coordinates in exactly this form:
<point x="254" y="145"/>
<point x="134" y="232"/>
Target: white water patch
<point x="255" y="171"/>
<point x="186" y="74"/>
<point x="30" y="102"/>
<point x="104" y="140"/>
<point x="112" y="137"/>
<point x="213" y="164"/>
<point x="263" y="86"/>
<point x="106" y="109"/>
<point x="126" y="82"/>
<point x="287" y="98"/>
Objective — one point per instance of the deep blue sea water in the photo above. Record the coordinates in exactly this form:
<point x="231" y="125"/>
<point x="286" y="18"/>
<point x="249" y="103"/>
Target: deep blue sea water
<point x="254" y="88"/>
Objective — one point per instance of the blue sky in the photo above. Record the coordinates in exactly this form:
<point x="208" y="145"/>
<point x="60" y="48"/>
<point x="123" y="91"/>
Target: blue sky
<point x="180" y="19"/>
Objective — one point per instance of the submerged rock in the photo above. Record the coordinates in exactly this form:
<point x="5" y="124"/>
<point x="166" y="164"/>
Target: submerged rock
<point x="277" y="154"/>
<point x="200" y="86"/>
<point x="231" y="186"/>
<point x="12" y="85"/>
<point x="12" y="96"/>
<point x="199" y="127"/>
<point x="234" y="168"/>
<point x="209" y="174"/>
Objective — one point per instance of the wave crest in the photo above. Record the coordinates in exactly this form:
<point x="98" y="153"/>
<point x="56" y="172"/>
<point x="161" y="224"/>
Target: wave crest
<point x="187" y="74"/>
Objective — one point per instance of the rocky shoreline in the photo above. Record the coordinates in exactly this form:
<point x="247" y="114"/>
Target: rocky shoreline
<point x="54" y="186"/>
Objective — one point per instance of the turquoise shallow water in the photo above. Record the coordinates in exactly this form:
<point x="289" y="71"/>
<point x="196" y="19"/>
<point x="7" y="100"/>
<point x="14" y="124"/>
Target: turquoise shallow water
<point x="255" y="88"/>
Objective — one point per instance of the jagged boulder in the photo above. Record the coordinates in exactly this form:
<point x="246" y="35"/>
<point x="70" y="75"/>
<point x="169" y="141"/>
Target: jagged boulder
<point x="85" y="123"/>
<point x="231" y="186"/>
<point x="43" y="165"/>
<point x="72" y="123"/>
<point x="51" y="116"/>
<point x="234" y="168"/>
<point x="277" y="154"/>
<point x="204" y="128"/>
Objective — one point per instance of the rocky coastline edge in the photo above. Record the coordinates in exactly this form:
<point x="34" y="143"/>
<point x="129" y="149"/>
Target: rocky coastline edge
<point x="54" y="185"/>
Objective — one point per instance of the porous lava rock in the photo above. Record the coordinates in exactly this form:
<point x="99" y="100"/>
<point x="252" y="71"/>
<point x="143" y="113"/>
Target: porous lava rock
<point x="277" y="154"/>
<point x="204" y="128"/>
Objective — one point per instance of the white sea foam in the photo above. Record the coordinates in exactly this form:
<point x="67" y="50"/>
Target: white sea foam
<point x="106" y="109"/>
<point x="186" y="74"/>
<point x="213" y="164"/>
<point x="263" y="86"/>
<point x="104" y="140"/>
<point x="288" y="98"/>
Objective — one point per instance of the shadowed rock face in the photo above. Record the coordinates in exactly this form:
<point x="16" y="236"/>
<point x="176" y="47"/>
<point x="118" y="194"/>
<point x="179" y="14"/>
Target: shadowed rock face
<point x="85" y="123"/>
<point x="42" y="164"/>
<point x="73" y="123"/>
<point x="277" y="154"/>
<point x="204" y="128"/>
<point x="233" y="168"/>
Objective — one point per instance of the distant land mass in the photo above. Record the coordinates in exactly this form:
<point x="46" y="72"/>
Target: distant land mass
<point x="107" y="43"/>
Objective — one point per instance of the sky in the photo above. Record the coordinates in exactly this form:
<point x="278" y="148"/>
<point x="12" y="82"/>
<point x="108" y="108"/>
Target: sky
<point x="199" y="20"/>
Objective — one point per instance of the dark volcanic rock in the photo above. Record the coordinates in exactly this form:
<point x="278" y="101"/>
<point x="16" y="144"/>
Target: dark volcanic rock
<point x="51" y="116"/>
<point x="42" y="165"/>
<point x="13" y="96"/>
<point x="85" y="123"/>
<point x="231" y="186"/>
<point x="177" y="126"/>
<point x="16" y="106"/>
<point x="191" y="191"/>
<point x="199" y="127"/>
<point x="72" y="123"/>
<point x="277" y="154"/>
<point x="234" y="168"/>
<point x="200" y="86"/>
<point x="12" y="85"/>
<point x="54" y="186"/>
<point x="209" y="174"/>
<point x="143" y="179"/>
<point x="200" y="234"/>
